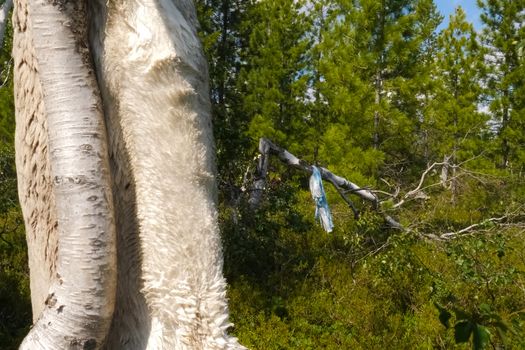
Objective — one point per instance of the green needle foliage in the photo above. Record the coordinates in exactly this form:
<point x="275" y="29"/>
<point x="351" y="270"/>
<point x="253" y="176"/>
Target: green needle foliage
<point x="456" y="125"/>
<point x="504" y="37"/>
<point x="371" y="90"/>
<point x="275" y="74"/>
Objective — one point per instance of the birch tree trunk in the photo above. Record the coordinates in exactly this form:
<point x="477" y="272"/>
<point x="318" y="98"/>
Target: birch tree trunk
<point x="152" y="77"/>
<point x="154" y="81"/>
<point x="64" y="180"/>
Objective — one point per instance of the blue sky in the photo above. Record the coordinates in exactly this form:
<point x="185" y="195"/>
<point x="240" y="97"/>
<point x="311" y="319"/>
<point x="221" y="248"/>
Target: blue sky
<point x="446" y="7"/>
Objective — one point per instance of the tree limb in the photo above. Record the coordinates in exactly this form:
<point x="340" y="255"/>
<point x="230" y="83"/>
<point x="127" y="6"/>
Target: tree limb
<point x="420" y="184"/>
<point x="347" y="200"/>
<point x="504" y="220"/>
<point x="444" y="178"/>
<point x="342" y="185"/>
<point x="450" y="235"/>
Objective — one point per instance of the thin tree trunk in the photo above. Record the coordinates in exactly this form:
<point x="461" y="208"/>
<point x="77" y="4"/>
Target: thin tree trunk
<point x="223" y="52"/>
<point x="377" y="115"/>
<point x="378" y="79"/>
<point x="67" y="203"/>
<point x="455" y="146"/>
<point x="505" y="148"/>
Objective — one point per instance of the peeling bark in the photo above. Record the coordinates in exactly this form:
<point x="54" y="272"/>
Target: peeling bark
<point x="154" y="83"/>
<point x="169" y="292"/>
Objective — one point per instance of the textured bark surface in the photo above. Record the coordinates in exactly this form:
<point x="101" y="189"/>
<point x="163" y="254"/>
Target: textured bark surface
<point x="170" y="292"/>
<point x="32" y="163"/>
<point x="64" y="182"/>
<point x="153" y="78"/>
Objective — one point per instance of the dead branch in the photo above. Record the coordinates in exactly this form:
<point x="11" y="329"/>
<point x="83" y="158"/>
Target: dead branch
<point x="342" y="185"/>
<point x="449" y="235"/>
<point x="347" y="200"/>
<point x="444" y="178"/>
<point x="416" y="191"/>
<point x="502" y="221"/>
<point x="7" y="73"/>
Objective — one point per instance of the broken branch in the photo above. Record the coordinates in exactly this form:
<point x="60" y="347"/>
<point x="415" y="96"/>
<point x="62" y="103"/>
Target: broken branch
<point x="342" y="185"/>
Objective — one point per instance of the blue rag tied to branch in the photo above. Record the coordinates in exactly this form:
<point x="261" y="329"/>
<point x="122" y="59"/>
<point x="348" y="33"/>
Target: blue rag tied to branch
<point x="322" y="211"/>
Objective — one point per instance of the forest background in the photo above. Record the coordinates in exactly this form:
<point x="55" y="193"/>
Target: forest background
<point x="429" y="116"/>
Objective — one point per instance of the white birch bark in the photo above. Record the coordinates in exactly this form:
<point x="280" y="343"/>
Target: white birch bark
<point x="67" y="202"/>
<point x="153" y="78"/>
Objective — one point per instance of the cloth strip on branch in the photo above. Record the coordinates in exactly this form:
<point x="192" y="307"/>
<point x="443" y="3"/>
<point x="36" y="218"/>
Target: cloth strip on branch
<point x="268" y="148"/>
<point x="322" y="211"/>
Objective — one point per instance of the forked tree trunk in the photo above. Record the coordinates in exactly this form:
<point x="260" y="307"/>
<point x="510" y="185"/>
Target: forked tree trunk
<point x="152" y="76"/>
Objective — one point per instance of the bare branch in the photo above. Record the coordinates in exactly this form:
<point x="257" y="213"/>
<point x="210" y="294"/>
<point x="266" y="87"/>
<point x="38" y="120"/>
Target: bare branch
<point x="504" y="220"/>
<point x="422" y="179"/>
<point x="416" y="190"/>
<point x="7" y="73"/>
<point x="450" y="235"/>
<point x="374" y="252"/>
<point x="342" y="185"/>
<point x="347" y="200"/>
<point x="259" y="182"/>
<point x="444" y="178"/>
<point x="388" y="194"/>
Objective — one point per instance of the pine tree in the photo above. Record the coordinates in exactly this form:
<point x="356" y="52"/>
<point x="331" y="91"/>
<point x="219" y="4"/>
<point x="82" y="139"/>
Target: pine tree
<point x="224" y="34"/>
<point x="504" y="36"/>
<point x="274" y="76"/>
<point x="456" y="122"/>
<point x="318" y="116"/>
<point x="374" y="67"/>
<point x="453" y="122"/>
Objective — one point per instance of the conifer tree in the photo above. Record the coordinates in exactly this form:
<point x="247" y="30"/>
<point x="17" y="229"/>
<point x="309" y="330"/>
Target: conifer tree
<point x="374" y="68"/>
<point x="453" y="122"/>
<point x="456" y="123"/>
<point x="318" y="115"/>
<point x="274" y="77"/>
<point x="504" y="36"/>
<point x="224" y="34"/>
